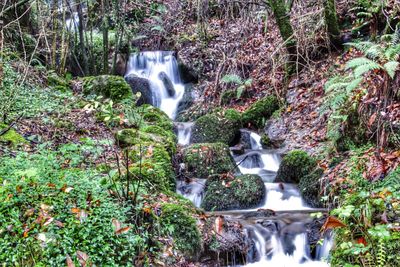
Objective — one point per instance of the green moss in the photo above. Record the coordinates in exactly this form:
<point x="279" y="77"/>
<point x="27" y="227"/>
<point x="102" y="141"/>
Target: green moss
<point x="154" y="116"/>
<point x="295" y="165"/>
<point x="11" y="137"/>
<point x="114" y="87"/>
<point x="202" y="160"/>
<point x="224" y="192"/>
<point x="309" y="187"/>
<point x="207" y="129"/>
<point x="227" y="97"/>
<point x="175" y="221"/>
<point x="265" y="141"/>
<point x="260" y="111"/>
<point x="354" y="134"/>
<point x="57" y="82"/>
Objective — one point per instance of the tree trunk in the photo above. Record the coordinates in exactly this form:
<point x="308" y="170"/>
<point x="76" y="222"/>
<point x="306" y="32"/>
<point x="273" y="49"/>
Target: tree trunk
<point x="105" y="35"/>
<point x="332" y="23"/>
<point x="82" y="39"/>
<point x="283" y="20"/>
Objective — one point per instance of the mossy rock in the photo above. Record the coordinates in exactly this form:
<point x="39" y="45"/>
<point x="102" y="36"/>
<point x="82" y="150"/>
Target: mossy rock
<point x="266" y="141"/>
<point x="217" y="127"/>
<point x="134" y="137"/>
<point x="353" y="134"/>
<point x="154" y="116"/>
<point x="202" y="160"/>
<point x="241" y="192"/>
<point x="257" y="114"/>
<point x="309" y="187"/>
<point x="57" y="82"/>
<point x="114" y="87"/>
<point x="295" y="165"/>
<point x="11" y="137"/>
<point x="176" y="221"/>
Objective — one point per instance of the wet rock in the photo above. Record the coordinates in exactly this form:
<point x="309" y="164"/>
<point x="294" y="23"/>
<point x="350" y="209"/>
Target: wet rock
<point x="188" y="75"/>
<point x="109" y="86"/>
<point x="288" y="234"/>
<point x="169" y="86"/>
<point x="121" y="63"/>
<point x="224" y="192"/>
<point x="187" y="99"/>
<point x="309" y="187"/>
<point x="238" y="149"/>
<point x="143" y="86"/>
<point x="314" y="233"/>
<point x="260" y="213"/>
<point x="275" y="131"/>
<point x="245" y="139"/>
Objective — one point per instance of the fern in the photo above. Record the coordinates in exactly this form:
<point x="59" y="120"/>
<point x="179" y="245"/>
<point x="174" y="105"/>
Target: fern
<point x="232" y="78"/>
<point x="381" y="254"/>
<point x="362" y="65"/>
<point x="361" y="46"/>
<point x="391" y="68"/>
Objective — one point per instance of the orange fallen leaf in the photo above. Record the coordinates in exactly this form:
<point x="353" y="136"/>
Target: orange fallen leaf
<point x="70" y="263"/>
<point x="219" y="223"/>
<point x="331" y="223"/>
<point x="123" y="230"/>
<point x="82" y="258"/>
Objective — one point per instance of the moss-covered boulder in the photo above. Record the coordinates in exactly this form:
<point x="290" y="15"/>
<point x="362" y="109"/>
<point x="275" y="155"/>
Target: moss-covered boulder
<point x="295" y="165"/>
<point x="57" y="82"/>
<point x="10" y="137"/>
<point x="217" y="127"/>
<point x="114" y="87"/>
<point x="202" y="160"/>
<point x="154" y="116"/>
<point x="176" y="221"/>
<point x="224" y="192"/>
<point x="257" y="114"/>
<point x="309" y="187"/>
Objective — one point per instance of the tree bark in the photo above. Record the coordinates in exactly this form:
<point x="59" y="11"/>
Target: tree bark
<point x="285" y="27"/>
<point x="82" y="39"/>
<point x="332" y="23"/>
<point x="105" y="8"/>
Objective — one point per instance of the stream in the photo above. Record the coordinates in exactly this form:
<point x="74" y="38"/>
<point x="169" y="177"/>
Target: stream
<point x="279" y="240"/>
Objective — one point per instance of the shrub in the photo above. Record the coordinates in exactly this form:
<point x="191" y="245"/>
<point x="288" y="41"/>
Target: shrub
<point x="114" y="87"/>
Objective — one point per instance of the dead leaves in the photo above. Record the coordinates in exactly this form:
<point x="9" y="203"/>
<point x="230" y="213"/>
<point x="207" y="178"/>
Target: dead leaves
<point x="118" y="228"/>
<point x="332" y="223"/>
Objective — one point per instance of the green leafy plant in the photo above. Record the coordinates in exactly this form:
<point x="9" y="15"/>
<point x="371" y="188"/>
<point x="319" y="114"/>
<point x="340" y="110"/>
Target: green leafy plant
<point x="239" y="82"/>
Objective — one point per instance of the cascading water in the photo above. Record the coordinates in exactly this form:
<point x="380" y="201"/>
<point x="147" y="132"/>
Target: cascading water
<point x="280" y="240"/>
<point x="161" y="69"/>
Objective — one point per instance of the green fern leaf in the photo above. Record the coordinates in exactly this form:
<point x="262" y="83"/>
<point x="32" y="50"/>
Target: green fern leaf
<point x="353" y="85"/>
<point x="232" y="78"/>
<point x="356" y="62"/>
<point x="361" y="46"/>
<point x="239" y="91"/>
<point x="361" y="70"/>
<point x="391" y="68"/>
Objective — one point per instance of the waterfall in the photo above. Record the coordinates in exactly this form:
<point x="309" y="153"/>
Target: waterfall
<point x="192" y="190"/>
<point x="161" y="69"/>
<point x="255" y="141"/>
<point x="184" y="130"/>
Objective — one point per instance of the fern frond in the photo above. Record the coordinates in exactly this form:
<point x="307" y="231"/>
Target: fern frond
<point x="361" y="66"/>
<point x="353" y="85"/>
<point x="361" y="46"/>
<point x="248" y="82"/>
<point x="232" y="78"/>
<point x="392" y="52"/>
<point x="374" y="52"/>
<point x="381" y="254"/>
<point x="391" y="68"/>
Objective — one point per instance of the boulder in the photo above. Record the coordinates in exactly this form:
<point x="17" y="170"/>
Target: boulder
<point x="225" y="192"/>
<point x="10" y="137"/>
<point x="295" y="165"/>
<point x="217" y="127"/>
<point x="188" y="75"/>
<point x="275" y="133"/>
<point x="309" y="187"/>
<point x="110" y="86"/>
<point x="186" y="101"/>
<point x="203" y="160"/>
<point x="142" y="85"/>
<point x="169" y="86"/>
<point x="257" y="114"/>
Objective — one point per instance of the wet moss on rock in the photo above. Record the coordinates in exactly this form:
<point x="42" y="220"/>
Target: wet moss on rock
<point x="241" y="192"/>
<point x="295" y="165"/>
<point x="109" y="86"/>
<point x="11" y="137"/>
<point x="203" y="160"/>
<point x="176" y="221"/>
<point x="221" y="127"/>
<point x="260" y="111"/>
<point x="154" y="116"/>
<point x="309" y="187"/>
